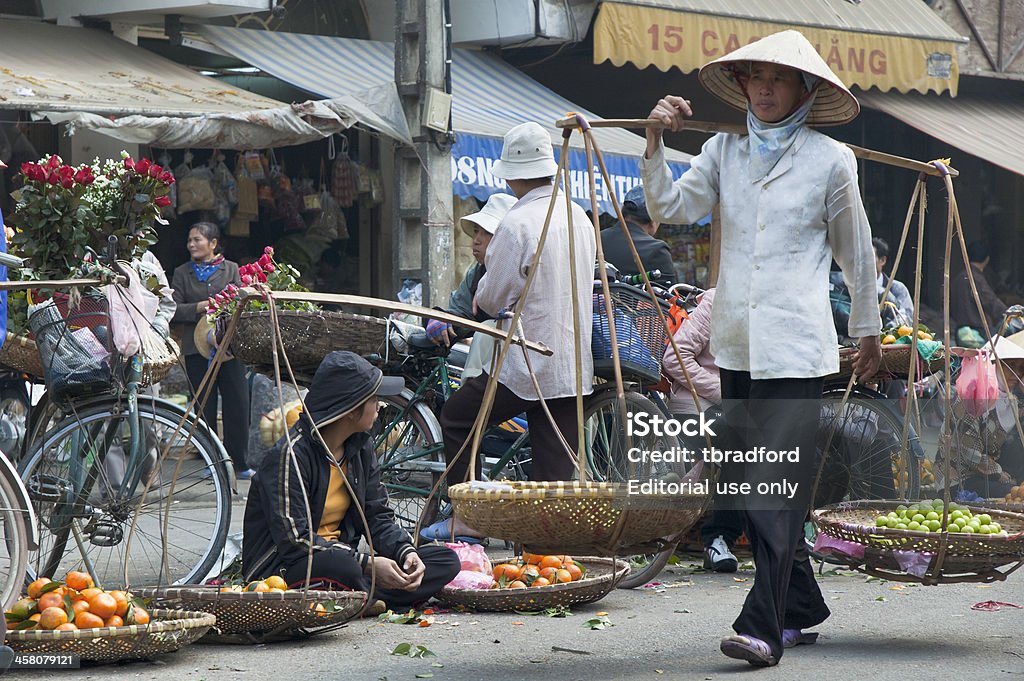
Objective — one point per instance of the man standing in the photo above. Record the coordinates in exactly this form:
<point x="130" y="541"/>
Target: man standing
<point x="970" y="331"/>
<point x="528" y="165"/>
<point x="653" y="252"/>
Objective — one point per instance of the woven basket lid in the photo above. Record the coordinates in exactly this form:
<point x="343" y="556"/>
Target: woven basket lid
<point x="833" y="104"/>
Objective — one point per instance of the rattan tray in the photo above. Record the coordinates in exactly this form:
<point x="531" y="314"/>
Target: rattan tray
<point x="21" y="353"/>
<point x="964" y="557"/>
<point x="167" y="631"/>
<point x="251" y="617"/>
<point x="592" y="518"/>
<point x="895" y="362"/>
<point x="603" y="574"/>
<point x="308" y="337"/>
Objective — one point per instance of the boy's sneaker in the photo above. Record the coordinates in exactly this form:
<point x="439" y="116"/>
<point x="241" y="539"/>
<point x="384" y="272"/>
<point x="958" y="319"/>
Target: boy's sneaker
<point x="245" y="475"/>
<point x="718" y="557"/>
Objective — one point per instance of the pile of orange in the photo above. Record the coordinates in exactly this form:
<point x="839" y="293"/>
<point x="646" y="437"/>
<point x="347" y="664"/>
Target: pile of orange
<point x="1015" y="495"/>
<point x="272" y="584"/>
<point x="73" y="604"/>
<point x="532" y="570"/>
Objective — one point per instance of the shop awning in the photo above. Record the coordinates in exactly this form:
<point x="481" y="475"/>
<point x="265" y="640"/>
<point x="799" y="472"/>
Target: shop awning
<point x="991" y="128"/>
<point x="887" y="44"/>
<point x="489" y="97"/>
<point x="59" y="68"/>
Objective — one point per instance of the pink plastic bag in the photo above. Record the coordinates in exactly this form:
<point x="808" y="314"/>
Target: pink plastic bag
<point x="473" y="557"/>
<point x="976" y="386"/>
<point x="468" y="579"/>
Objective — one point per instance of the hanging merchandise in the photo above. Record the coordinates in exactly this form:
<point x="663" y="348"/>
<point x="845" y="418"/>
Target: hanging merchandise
<point x="238" y="226"/>
<point x="331" y="223"/>
<point x="195" y="187"/>
<point x="248" y="207"/>
<point x="344" y="180"/>
<point x="287" y="203"/>
<point x="253" y="163"/>
<point x="376" y="188"/>
<point x="362" y="178"/>
<point x="225" y="188"/>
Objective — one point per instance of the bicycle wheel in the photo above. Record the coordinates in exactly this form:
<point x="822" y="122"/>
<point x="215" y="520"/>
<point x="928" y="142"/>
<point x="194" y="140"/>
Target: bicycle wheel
<point x="14" y="411"/>
<point x="606" y="448"/>
<point x="14" y="540"/>
<point x="410" y="452"/>
<point x="86" y="496"/>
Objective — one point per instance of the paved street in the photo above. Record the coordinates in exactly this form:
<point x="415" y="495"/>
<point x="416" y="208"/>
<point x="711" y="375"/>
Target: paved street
<point x="879" y="630"/>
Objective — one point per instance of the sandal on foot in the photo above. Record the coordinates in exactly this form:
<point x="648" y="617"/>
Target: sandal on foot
<point x="795" y="637"/>
<point x="441" y="531"/>
<point x="753" y="650"/>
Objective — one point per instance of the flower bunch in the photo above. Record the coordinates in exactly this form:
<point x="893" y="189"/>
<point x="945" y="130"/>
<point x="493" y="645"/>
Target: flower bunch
<point x="62" y="211"/>
<point x="277" y="276"/>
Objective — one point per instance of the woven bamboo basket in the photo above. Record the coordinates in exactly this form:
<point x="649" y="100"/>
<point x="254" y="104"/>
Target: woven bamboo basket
<point x="20" y="353"/>
<point x="602" y="575"/>
<point x="895" y="362"/>
<point x="965" y="557"/>
<point x="251" y="617"/>
<point x="167" y="631"/>
<point x="307" y="336"/>
<point x="592" y="518"/>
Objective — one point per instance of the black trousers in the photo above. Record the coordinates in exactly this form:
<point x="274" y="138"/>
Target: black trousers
<point x="442" y="564"/>
<point x="780" y="414"/>
<point x="550" y="460"/>
<point x="234" y="397"/>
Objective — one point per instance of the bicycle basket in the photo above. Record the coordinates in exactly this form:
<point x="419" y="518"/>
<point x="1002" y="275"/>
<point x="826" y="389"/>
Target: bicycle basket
<point x="640" y="335"/>
<point x="75" y="345"/>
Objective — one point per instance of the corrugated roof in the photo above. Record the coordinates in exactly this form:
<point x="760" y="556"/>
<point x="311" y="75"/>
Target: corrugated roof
<point x="59" y="68"/>
<point x="907" y="18"/>
<point x="990" y="128"/>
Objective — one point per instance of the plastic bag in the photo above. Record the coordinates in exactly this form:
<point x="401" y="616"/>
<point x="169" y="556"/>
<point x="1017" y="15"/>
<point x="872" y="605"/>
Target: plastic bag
<point x="467" y="579"/>
<point x="977" y="386"/>
<point x="472" y="557"/>
<point x="195" y="191"/>
<point x="132" y="309"/>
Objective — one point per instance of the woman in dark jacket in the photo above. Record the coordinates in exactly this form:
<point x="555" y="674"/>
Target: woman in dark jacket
<point x="204" y="276"/>
<point x="280" y="530"/>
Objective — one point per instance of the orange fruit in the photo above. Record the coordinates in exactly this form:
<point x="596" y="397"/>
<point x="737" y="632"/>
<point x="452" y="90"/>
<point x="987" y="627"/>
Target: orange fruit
<point x="550" y="561"/>
<point x="79" y="580"/>
<point x="566" y="559"/>
<point x="506" y="570"/>
<point x="51" y="618"/>
<point x="50" y="600"/>
<point x="114" y="621"/>
<point x="276" y="582"/>
<point x="80" y="606"/>
<point x="122" y="602"/>
<point x="548" y="573"/>
<point x="531" y="558"/>
<point x="574" y="571"/>
<point x="530" y="572"/>
<point x="102" y="605"/>
<point x="87" y="620"/>
<point x="259" y="587"/>
<point x="35" y="616"/>
<point x="35" y="587"/>
<point x="87" y="594"/>
<point x="541" y="581"/>
<point x="139" y="616"/>
<point x="563" y="576"/>
<point x="67" y="626"/>
<point x="517" y="585"/>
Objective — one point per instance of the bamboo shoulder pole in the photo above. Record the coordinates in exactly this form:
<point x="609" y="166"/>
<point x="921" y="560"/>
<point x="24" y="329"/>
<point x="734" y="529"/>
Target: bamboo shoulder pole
<point x="739" y="129"/>
<point x="394" y="306"/>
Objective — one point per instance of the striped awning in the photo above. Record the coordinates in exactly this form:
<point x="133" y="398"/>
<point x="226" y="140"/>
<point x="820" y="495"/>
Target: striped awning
<point x="991" y="128"/>
<point x="488" y="97"/>
<point x="887" y="44"/>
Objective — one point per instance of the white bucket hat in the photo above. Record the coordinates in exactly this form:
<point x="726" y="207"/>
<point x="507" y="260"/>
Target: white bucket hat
<point x="489" y="217"/>
<point x="526" y="154"/>
<point x="1010" y="347"/>
<point x="833" y="104"/>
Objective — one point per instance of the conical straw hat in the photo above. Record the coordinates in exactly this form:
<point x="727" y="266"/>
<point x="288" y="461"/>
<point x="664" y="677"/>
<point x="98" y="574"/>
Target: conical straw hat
<point x="833" y="105"/>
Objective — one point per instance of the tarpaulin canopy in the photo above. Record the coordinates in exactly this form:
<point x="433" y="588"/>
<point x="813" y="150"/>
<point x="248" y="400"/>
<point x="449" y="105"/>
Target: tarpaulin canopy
<point x="489" y="97"/>
<point x="888" y="44"/>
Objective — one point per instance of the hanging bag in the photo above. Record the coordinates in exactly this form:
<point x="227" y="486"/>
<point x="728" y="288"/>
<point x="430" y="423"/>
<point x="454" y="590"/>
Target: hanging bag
<point x="977" y="386"/>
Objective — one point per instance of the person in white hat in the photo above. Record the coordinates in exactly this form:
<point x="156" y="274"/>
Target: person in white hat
<point x="528" y="165"/>
<point x="987" y="456"/>
<point x="481" y="227"/>
<point x="789" y="204"/>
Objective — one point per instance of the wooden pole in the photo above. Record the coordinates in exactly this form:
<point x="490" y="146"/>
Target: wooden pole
<point x="740" y="129"/>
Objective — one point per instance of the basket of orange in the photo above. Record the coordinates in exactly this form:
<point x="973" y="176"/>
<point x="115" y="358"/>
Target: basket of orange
<point x="263" y="610"/>
<point x="75" y="617"/>
<point x="536" y="582"/>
